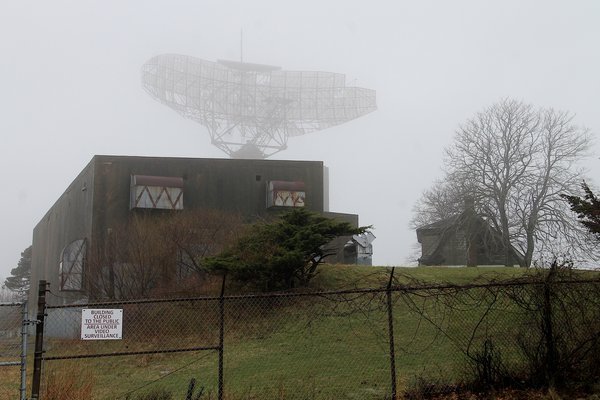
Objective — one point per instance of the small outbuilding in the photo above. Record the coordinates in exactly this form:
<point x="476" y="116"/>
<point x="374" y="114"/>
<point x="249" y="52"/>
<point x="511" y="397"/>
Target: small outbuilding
<point x="464" y="239"/>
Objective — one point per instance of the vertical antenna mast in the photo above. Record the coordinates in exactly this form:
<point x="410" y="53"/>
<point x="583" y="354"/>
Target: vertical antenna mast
<point x="241" y="45"/>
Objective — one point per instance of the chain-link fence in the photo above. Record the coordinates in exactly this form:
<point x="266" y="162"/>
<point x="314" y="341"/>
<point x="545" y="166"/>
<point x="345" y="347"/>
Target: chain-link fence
<point x="13" y="342"/>
<point x="402" y="341"/>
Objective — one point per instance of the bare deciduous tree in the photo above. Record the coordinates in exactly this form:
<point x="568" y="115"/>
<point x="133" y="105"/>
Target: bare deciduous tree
<point x="158" y="252"/>
<point x="514" y="161"/>
<point x="442" y="201"/>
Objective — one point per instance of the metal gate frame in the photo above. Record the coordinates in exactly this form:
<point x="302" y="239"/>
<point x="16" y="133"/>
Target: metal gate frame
<point x="23" y="356"/>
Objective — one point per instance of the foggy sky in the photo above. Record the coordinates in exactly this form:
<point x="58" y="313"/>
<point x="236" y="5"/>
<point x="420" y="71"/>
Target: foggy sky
<point x="70" y="88"/>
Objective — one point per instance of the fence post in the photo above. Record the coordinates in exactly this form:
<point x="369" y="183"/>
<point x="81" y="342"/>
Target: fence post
<point x="24" y="327"/>
<point x="39" y="341"/>
<point x="221" y="336"/>
<point x="391" y="334"/>
<point x="547" y="327"/>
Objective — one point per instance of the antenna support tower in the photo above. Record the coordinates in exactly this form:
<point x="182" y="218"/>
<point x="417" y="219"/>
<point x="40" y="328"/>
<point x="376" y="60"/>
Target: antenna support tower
<point x="250" y="110"/>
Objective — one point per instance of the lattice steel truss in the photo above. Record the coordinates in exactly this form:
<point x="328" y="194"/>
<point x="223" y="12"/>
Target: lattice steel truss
<point x="250" y="110"/>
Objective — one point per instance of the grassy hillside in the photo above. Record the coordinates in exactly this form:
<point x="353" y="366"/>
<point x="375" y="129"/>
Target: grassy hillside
<point x="332" y="277"/>
<point x="318" y="347"/>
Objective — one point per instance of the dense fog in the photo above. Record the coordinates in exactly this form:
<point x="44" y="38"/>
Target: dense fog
<point x="70" y="74"/>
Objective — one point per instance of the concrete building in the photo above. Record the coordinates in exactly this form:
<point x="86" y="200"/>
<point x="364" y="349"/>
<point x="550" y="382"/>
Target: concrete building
<point x="112" y="188"/>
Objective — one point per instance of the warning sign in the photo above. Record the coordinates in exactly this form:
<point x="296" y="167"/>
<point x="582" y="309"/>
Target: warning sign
<point x="101" y="324"/>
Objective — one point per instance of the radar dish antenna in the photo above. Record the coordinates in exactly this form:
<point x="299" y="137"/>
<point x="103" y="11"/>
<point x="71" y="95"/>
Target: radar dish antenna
<point x="250" y="110"/>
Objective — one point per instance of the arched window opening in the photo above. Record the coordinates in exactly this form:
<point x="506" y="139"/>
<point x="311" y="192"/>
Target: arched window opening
<point x="71" y="267"/>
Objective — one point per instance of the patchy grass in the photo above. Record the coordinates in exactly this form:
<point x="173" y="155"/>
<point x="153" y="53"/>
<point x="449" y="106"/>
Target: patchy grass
<point x="10" y="378"/>
<point x="67" y="384"/>
<point x="325" y="347"/>
<point x="345" y="276"/>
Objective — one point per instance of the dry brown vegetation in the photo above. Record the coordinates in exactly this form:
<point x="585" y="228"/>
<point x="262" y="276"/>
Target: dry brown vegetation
<point x="64" y="384"/>
<point x="153" y="255"/>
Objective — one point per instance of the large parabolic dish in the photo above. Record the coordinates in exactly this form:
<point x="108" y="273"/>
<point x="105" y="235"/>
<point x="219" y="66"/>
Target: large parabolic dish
<point x="250" y="110"/>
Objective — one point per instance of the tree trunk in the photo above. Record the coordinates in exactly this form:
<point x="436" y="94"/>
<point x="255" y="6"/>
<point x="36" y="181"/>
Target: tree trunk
<point x="506" y="245"/>
<point x="529" y="250"/>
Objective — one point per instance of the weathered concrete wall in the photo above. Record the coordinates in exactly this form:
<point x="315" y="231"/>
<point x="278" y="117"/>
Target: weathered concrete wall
<point x="69" y="219"/>
<point x="227" y="184"/>
<point x="235" y="185"/>
<point x="99" y="199"/>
